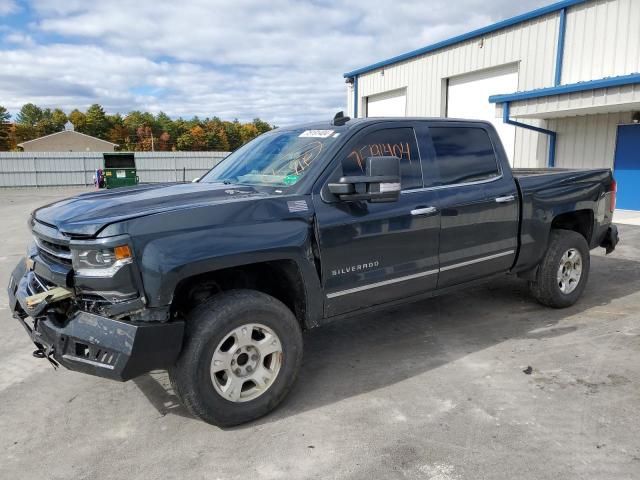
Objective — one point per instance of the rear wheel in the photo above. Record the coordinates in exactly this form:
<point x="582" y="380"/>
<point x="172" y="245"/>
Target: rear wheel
<point x="242" y="353"/>
<point x="564" y="270"/>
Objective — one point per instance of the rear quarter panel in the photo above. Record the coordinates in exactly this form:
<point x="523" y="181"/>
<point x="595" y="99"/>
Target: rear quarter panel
<point x="548" y="195"/>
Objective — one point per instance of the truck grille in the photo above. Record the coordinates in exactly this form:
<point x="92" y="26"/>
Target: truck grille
<point x="38" y="285"/>
<point x="55" y="252"/>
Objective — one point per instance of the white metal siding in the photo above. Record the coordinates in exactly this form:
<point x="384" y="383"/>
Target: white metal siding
<point x="588" y="141"/>
<point x="531" y="45"/>
<point x="350" y="101"/>
<point x="604" y="100"/>
<point x="602" y="40"/>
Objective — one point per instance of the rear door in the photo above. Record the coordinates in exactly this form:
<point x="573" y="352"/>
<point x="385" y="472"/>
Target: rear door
<point x="468" y="97"/>
<point x="478" y="203"/>
<point x="373" y="253"/>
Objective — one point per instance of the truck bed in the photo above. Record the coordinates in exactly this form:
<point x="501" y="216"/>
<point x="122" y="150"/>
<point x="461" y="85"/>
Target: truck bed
<point x="528" y="172"/>
<point x="542" y="178"/>
<point x="549" y="192"/>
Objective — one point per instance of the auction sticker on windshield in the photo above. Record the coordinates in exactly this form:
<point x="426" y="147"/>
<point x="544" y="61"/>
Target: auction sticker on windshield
<point x="316" y="134"/>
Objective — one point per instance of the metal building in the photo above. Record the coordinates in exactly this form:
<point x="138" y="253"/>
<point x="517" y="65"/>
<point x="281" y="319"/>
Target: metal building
<point x="67" y="140"/>
<point x="561" y="84"/>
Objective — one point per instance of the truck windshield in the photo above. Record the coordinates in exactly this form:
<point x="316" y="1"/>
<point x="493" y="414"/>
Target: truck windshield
<point x="279" y="158"/>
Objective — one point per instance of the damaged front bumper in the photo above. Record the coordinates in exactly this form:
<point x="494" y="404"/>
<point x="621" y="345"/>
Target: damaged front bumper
<point x="91" y="343"/>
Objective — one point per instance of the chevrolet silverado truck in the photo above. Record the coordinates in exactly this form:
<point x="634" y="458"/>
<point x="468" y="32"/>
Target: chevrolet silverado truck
<point x="216" y="280"/>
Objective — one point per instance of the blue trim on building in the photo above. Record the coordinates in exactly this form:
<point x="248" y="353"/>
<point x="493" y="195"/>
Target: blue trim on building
<point x="552" y="135"/>
<point x="562" y="30"/>
<point x="468" y="36"/>
<point x="609" y="82"/>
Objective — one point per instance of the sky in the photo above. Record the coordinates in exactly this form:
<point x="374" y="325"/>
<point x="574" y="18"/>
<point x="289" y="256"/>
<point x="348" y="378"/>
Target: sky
<point x="280" y="60"/>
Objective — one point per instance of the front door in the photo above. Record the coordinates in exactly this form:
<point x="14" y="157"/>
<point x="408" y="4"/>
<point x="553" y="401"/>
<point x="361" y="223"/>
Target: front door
<point x="373" y="253"/>
<point x="626" y="168"/>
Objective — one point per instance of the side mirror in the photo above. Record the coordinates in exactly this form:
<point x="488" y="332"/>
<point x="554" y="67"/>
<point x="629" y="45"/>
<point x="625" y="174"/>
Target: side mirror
<point x="195" y="180"/>
<point x="380" y="184"/>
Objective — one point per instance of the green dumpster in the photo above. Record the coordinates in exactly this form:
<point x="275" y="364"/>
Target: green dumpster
<point x="119" y="170"/>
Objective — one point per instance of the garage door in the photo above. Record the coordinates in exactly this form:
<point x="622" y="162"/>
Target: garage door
<point x="388" y="104"/>
<point x="468" y="97"/>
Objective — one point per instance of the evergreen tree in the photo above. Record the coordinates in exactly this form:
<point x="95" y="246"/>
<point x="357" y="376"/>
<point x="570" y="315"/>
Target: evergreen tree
<point x="29" y="115"/>
<point x="97" y="123"/>
<point x="234" y="135"/>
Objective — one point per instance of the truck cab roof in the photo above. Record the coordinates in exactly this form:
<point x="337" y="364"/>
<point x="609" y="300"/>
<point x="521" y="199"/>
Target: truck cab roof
<point x="361" y="122"/>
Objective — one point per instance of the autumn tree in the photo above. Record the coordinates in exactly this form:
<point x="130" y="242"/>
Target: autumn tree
<point x="164" y="142"/>
<point x="199" y="138"/>
<point x="139" y="130"/>
<point x="120" y="134"/>
<point x="144" y="136"/>
<point x="13" y="142"/>
<point x="164" y="124"/>
<point x="195" y="139"/>
<point x="5" y="116"/>
<point x="248" y="132"/>
<point x="58" y="119"/>
<point x="79" y="120"/>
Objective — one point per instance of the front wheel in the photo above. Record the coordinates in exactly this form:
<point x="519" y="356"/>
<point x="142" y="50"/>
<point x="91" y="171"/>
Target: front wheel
<point x="242" y="353"/>
<point x="564" y="270"/>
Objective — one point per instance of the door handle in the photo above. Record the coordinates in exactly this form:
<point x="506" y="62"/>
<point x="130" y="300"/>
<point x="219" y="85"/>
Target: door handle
<point x="424" y="211"/>
<point x="506" y="199"/>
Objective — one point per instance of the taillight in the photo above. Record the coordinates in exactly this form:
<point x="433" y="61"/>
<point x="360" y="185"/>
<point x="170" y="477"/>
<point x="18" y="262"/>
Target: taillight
<point x="614" y="191"/>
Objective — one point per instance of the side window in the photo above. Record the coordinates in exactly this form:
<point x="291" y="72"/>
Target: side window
<point x="464" y="154"/>
<point x="398" y="142"/>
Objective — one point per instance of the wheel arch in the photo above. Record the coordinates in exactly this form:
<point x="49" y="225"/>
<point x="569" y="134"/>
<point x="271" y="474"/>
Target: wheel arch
<point x="580" y="221"/>
<point x="283" y="279"/>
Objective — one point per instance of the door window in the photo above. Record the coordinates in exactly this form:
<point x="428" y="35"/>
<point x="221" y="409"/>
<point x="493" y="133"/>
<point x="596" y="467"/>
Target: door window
<point x="464" y="154"/>
<point x="397" y="142"/>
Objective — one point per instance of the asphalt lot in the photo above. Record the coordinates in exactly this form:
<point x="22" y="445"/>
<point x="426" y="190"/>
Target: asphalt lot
<point x="433" y="390"/>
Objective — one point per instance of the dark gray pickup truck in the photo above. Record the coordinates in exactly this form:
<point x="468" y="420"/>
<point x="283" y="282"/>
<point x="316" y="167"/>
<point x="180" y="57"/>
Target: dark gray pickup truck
<point x="215" y="280"/>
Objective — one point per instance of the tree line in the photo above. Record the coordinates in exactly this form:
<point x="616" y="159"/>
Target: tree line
<point x="135" y="131"/>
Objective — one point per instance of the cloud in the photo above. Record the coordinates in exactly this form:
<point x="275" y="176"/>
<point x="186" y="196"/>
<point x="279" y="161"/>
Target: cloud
<point x="8" y="7"/>
<point x="19" y="38"/>
<point x="281" y="60"/>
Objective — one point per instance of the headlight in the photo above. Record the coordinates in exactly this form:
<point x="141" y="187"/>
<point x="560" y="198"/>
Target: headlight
<point x="100" y="262"/>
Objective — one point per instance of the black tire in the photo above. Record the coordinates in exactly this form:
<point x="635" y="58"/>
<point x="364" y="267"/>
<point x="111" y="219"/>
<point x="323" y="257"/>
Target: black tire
<point x="546" y="288"/>
<point x="207" y="326"/>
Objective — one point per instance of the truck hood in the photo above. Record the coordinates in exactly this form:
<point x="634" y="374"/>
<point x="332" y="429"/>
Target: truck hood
<point x="88" y="213"/>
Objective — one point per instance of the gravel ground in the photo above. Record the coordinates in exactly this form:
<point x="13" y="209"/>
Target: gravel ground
<point x="433" y="390"/>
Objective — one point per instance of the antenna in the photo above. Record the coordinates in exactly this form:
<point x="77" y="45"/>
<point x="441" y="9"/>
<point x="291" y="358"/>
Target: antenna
<point x="340" y="119"/>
